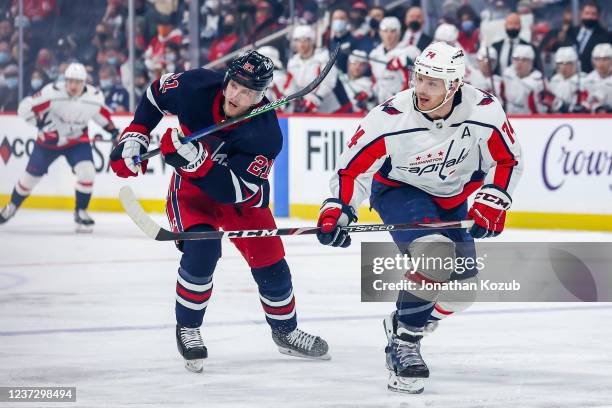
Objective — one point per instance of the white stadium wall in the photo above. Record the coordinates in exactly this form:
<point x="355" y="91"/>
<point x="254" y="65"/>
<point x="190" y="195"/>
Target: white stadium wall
<point x="567" y="182"/>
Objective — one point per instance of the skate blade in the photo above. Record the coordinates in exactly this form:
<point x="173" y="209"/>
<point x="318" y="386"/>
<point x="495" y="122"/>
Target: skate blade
<point x="83" y="229"/>
<point x="294" y="353"/>
<point x="195" y="366"/>
<point x="405" y="385"/>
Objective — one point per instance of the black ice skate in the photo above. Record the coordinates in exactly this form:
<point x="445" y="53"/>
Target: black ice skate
<point x="7" y="212"/>
<point x="192" y="348"/>
<point x="84" y="223"/>
<point x="301" y="344"/>
<point x="407" y="369"/>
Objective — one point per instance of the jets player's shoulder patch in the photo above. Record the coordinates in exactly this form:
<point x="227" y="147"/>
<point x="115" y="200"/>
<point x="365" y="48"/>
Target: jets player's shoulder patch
<point x="487" y="98"/>
<point x="387" y="107"/>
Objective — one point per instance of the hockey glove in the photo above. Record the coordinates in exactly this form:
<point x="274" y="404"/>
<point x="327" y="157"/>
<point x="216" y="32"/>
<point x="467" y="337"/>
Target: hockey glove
<point x="122" y="156"/>
<point x="395" y="64"/>
<point x="190" y="159"/>
<point x="489" y="211"/>
<point x="333" y="215"/>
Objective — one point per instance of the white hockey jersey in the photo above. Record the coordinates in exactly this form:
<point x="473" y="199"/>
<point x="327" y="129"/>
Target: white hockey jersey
<point x="447" y="158"/>
<point x="599" y="90"/>
<point x="566" y="91"/>
<point x="522" y="94"/>
<point x="476" y="78"/>
<point x="64" y="119"/>
<point x="300" y="72"/>
<point x="275" y="90"/>
<point x="389" y="82"/>
<point x="359" y="92"/>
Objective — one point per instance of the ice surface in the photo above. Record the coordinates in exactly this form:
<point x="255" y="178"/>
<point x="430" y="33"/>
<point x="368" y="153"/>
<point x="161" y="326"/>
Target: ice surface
<point x="96" y="312"/>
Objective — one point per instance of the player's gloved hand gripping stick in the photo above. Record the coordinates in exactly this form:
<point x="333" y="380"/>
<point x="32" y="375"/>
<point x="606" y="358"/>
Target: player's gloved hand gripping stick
<point x="254" y="112"/>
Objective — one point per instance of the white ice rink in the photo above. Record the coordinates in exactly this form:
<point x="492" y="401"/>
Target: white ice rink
<point x="97" y="312"/>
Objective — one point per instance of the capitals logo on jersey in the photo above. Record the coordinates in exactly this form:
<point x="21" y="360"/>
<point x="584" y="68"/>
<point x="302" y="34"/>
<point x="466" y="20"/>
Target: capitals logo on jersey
<point x="439" y="161"/>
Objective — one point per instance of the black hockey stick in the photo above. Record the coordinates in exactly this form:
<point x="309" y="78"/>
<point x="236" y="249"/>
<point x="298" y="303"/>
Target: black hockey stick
<point x="254" y="112"/>
<point x="135" y="211"/>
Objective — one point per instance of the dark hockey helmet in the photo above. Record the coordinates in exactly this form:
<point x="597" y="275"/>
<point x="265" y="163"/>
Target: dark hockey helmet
<point x="252" y="70"/>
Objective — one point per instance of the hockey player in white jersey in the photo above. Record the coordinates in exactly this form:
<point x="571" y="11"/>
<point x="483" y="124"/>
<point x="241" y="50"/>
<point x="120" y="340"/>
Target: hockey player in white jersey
<point x="357" y="84"/>
<point x="418" y="157"/>
<point x="568" y="84"/>
<point x="275" y="91"/>
<point x="525" y="87"/>
<point x="304" y="67"/>
<point x="598" y="82"/>
<point x="484" y="78"/>
<point x="61" y="113"/>
<point x="394" y="76"/>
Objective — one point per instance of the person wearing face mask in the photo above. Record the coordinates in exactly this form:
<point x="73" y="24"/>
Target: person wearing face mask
<point x="115" y="96"/>
<point x="340" y="33"/>
<point x="469" y="29"/>
<point x="5" y="54"/>
<point x="375" y="16"/>
<point x="37" y="81"/>
<point x="588" y="34"/>
<point x="9" y="92"/>
<point x="414" y="34"/>
<point x="505" y="48"/>
<point x="357" y="18"/>
<point x="156" y="50"/>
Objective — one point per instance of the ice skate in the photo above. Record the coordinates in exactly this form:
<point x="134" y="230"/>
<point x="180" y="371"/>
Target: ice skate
<point x="407" y="370"/>
<point x="7" y="212"/>
<point x="301" y="344"/>
<point x="84" y="223"/>
<point x="430" y="327"/>
<point x="192" y="348"/>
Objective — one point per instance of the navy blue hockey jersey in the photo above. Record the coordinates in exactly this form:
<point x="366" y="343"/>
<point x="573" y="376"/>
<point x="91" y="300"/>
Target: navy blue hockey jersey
<point x="242" y="154"/>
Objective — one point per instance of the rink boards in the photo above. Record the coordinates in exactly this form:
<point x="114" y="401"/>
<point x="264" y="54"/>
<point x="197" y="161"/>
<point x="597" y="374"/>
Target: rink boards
<point x="567" y="179"/>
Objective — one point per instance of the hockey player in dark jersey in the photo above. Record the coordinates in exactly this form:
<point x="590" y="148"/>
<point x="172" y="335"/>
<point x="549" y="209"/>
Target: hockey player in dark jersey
<point x="219" y="182"/>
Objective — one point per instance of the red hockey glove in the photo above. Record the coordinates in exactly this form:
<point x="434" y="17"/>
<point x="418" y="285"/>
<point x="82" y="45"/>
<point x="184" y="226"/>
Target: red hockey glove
<point x="395" y="64"/>
<point x="122" y="156"/>
<point x="333" y="215"/>
<point x="190" y="159"/>
<point x="489" y="211"/>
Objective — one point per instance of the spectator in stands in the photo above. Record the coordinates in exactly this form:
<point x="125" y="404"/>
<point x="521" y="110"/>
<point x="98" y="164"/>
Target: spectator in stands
<point x="116" y="96"/>
<point x="227" y="40"/>
<point x="141" y="81"/>
<point x="304" y="66"/>
<point x="172" y="59"/>
<point x="524" y="85"/>
<point x="66" y="48"/>
<point x="357" y="18"/>
<point x="112" y="55"/>
<point x="266" y="23"/>
<point x="375" y="16"/>
<point x="275" y="91"/>
<point x="505" y="48"/>
<point x="45" y="61"/>
<point x="567" y="85"/>
<point x="599" y="82"/>
<point x="588" y="34"/>
<point x="37" y="81"/>
<point x="155" y="53"/>
<point x="5" y="28"/>
<point x="9" y="92"/>
<point x="357" y="84"/>
<point x="114" y="18"/>
<point x="340" y="33"/>
<point x="469" y="29"/>
<point x="414" y="35"/>
<point x="5" y="54"/>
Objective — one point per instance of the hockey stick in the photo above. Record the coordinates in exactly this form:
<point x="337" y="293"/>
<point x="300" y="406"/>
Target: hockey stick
<point x="135" y="211"/>
<point x="254" y="112"/>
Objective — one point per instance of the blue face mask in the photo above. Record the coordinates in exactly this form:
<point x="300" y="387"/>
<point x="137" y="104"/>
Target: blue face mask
<point x="11" y="82"/>
<point x="36" y="84"/>
<point x="4" y="57"/>
<point x="112" y="60"/>
<point x="339" y="26"/>
<point x="106" y="83"/>
<point x="467" y="26"/>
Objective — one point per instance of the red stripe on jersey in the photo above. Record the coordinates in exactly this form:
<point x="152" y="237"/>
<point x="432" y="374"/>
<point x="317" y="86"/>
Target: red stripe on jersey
<point x="346" y="108"/>
<point x="359" y="164"/>
<point x="378" y="177"/>
<point x="442" y="311"/>
<point x="41" y="107"/>
<point x="531" y="103"/>
<point x="279" y="310"/>
<point x="288" y="80"/>
<point x="452" y="202"/>
<point x="135" y="127"/>
<point x="104" y="112"/>
<point x="195" y="297"/>
<point x="503" y="156"/>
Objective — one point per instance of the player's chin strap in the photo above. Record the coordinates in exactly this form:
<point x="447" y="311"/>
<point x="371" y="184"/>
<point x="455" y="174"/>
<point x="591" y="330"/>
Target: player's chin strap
<point x="446" y="99"/>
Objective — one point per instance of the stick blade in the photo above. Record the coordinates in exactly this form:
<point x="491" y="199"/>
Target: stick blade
<point x="135" y="211"/>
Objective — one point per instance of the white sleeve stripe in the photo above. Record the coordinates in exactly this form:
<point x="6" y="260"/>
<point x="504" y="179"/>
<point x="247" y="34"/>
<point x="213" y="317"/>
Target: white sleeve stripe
<point x="253" y="187"/>
<point x="236" y="183"/>
<point x="152" y="99"/>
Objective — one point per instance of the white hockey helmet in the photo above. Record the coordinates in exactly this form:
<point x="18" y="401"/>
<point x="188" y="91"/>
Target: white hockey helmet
<point x="76" y="71"/>
<point x="447" y="33"/>
<point x="483" y="54"/>
<point x="603" y="50"/>
<point x="390" y="23"/>
<point x="443" y="61"/>
<point x="303" y="32"/>
<point x="273" y="54"/>
<point x="358" y="56"/>
<point x="523" y="51"/>
<point x="566" y="55"/>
